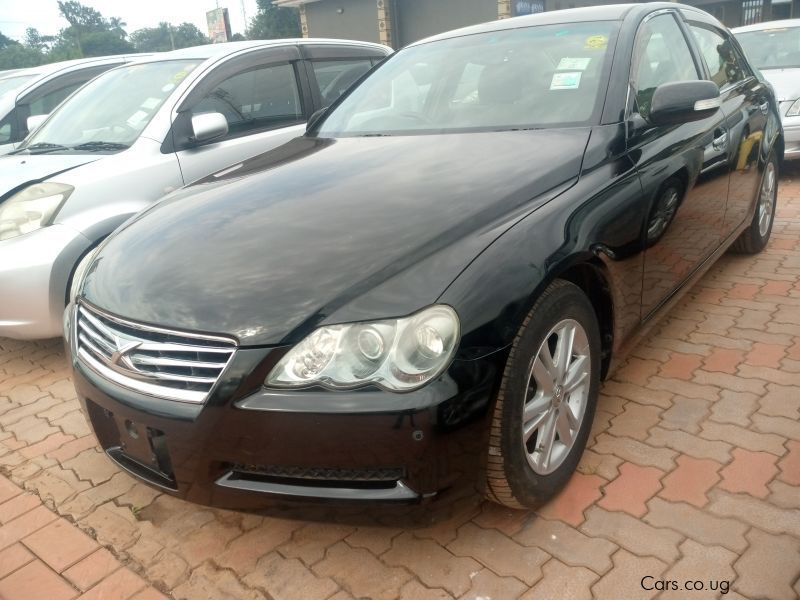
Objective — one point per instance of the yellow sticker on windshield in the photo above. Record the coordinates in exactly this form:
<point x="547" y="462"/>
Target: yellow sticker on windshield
<point x="596" y="42"/>
<point x="179" y="76"/>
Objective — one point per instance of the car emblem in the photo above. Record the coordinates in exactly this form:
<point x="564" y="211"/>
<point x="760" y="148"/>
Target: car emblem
<point x="120" y="355"/>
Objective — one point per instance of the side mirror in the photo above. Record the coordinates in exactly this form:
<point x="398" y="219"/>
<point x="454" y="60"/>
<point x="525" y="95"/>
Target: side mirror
<point x="35" y="121"/>
<point x="683" y="102"/>
<point x="208" y="126"/>
<point x="315" y="118"/>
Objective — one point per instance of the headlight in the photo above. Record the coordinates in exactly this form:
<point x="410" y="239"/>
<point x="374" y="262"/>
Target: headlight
<point x="32" y="208"/>
<point x="794" y="109"/>
<point x="399" y="355"/>
<point x="80" y="273"/>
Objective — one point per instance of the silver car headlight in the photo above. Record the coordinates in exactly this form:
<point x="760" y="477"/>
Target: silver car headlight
<point x="794" y="109"/>
<point x="32" y="208"/>
<point x="80" y="273"/>
<point x="398" y="354"/>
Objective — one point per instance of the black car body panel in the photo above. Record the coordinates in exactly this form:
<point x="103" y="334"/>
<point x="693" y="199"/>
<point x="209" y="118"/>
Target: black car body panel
<point x="322" y="232"/>
<point x="327" y="231"/>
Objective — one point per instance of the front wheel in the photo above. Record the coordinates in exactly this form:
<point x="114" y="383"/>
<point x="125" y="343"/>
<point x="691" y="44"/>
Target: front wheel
<point x="546" y="402"/>
<point x="755" y="238"/>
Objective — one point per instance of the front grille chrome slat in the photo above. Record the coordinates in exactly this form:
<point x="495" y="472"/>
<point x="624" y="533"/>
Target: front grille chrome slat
<point x="169" y="364"/>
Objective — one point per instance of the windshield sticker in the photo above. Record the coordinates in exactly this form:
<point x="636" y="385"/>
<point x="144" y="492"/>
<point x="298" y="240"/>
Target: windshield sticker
<point x="136" y="118"/>
<point x="566" y="81"/>
<point x="151" y="103"/>
<point x="168" y="88"/>
<point x="573" y="64"/>
<point x="178" y="77"/>
<point x="596" y="42"/>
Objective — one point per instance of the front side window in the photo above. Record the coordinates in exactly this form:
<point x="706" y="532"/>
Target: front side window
<point x="335" y="76"/>
<point x="523" y="78"/>
<point x="257" y="99"/>
<point x="45" y="104"/>
<point x="662" y="56"/>
<point x="724" y="62"/>
<point x="774" y="48"/>
<point x="111" y="111"/>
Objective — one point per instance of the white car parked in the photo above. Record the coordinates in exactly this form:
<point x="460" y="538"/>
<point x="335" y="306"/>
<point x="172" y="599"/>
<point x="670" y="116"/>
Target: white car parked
<point x="774" y="48"/>
<point x="138" y="132"/>
<point x="28" y="95"/>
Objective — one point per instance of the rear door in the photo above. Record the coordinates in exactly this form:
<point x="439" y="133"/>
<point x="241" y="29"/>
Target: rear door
<point x="263" y="95"/>
<point x="745" y="102"/>
<point x="683" y="168"/>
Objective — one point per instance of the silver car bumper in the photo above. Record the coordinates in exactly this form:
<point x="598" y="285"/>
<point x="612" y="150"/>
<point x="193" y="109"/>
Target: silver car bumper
<point x="791" y="138"/>
<point x="34" y="274"/>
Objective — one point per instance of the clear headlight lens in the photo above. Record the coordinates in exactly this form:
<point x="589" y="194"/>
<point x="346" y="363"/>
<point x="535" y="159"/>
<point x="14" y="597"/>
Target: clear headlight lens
<point x="32" y="208"/>
<point x="80" y="273"/>
<point x="399" y="354"/>
<point x="794" y="109"/>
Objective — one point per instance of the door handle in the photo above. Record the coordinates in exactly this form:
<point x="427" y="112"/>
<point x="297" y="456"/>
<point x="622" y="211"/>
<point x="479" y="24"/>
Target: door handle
<point x="719" y="143"/>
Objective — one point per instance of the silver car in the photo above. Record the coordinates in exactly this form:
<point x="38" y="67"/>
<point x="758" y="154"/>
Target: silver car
<point x="136" y="133"/>
<point x="774" y="47"/>
<point x="28" y="95"/>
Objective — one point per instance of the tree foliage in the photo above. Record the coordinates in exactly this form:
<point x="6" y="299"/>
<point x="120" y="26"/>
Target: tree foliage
<point x="89" y="33"/>
<point x="272" y="22"/>
<point x="167" y="37"/>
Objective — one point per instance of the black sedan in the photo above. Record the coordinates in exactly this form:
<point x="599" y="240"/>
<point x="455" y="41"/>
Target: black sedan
<point x="429" y="286"/>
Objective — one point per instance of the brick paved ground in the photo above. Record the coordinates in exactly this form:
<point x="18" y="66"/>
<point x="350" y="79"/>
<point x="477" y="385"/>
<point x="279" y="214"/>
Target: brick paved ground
<point x="693" y="472"/>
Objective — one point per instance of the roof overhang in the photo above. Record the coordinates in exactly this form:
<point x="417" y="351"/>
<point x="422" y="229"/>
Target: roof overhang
<point x="289" y="3"/>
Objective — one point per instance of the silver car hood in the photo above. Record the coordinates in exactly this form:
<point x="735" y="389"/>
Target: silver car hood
<point x="785" y="81"/>
<point x="19" y="169"/>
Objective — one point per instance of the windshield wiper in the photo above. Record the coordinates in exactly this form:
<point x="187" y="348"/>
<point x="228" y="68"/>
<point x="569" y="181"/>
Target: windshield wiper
<point x="42" y="147"/>
<point x="100" y="146"/>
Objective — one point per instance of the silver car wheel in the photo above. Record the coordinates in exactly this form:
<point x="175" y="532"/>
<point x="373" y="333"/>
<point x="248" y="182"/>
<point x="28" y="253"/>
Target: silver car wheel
<point x="766" y="199"/>
<point x="556" y="396"/>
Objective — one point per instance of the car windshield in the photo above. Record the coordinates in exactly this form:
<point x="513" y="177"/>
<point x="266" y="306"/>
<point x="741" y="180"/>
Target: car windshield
<point x="523" y="78"/>
<point x="110" y="112"/>
<point x="13" y="83"/>
<point x="777" y="48"/>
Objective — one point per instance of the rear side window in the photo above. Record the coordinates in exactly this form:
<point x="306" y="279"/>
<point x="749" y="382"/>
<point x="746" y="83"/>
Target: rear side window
<point x="663" y="56"/>
<point x="334" y="77"/>
<point x="256" y="99"/>
<point x="724" y="62"/>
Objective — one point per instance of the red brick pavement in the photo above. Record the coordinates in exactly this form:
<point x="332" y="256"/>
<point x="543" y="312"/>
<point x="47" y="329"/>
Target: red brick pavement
<point x="692" y="473"/>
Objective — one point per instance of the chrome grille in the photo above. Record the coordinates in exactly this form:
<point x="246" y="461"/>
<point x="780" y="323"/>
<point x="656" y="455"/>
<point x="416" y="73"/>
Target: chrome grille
<point x="154" y="361"/>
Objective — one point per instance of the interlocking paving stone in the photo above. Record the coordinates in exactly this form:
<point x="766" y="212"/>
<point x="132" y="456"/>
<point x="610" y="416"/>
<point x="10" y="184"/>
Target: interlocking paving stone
<point x="697" y="434"/>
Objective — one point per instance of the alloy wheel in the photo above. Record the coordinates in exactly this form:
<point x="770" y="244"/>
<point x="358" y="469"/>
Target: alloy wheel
<point x="556" y="396"/>
<point x="766" y="199"/>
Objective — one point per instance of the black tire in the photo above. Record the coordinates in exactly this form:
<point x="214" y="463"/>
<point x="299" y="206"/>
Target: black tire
<point x="752" y="240"/>
<point x="511" y="479"/>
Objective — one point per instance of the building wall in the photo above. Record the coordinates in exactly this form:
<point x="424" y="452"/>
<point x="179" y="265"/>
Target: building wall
<point x="416" y="19"/>
<point x="357" y="21"/>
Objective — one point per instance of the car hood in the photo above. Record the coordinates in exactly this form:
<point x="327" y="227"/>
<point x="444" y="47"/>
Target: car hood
<point x="785" y="81"/>
<point x="320" y="231"/>
<point x="17" y="170"/>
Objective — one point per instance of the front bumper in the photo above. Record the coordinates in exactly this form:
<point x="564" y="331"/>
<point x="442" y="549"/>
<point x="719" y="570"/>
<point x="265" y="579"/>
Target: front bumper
<point x="248" y="448"/>
<point x="34" y="273"/>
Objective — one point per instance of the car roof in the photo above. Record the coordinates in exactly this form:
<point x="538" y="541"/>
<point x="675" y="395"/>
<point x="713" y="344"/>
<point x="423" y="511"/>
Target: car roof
<point x="768" y="25"/>
<point x="607" y="12"/>
<point x="63" y="65"/>
<point x="207" y="51"/>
